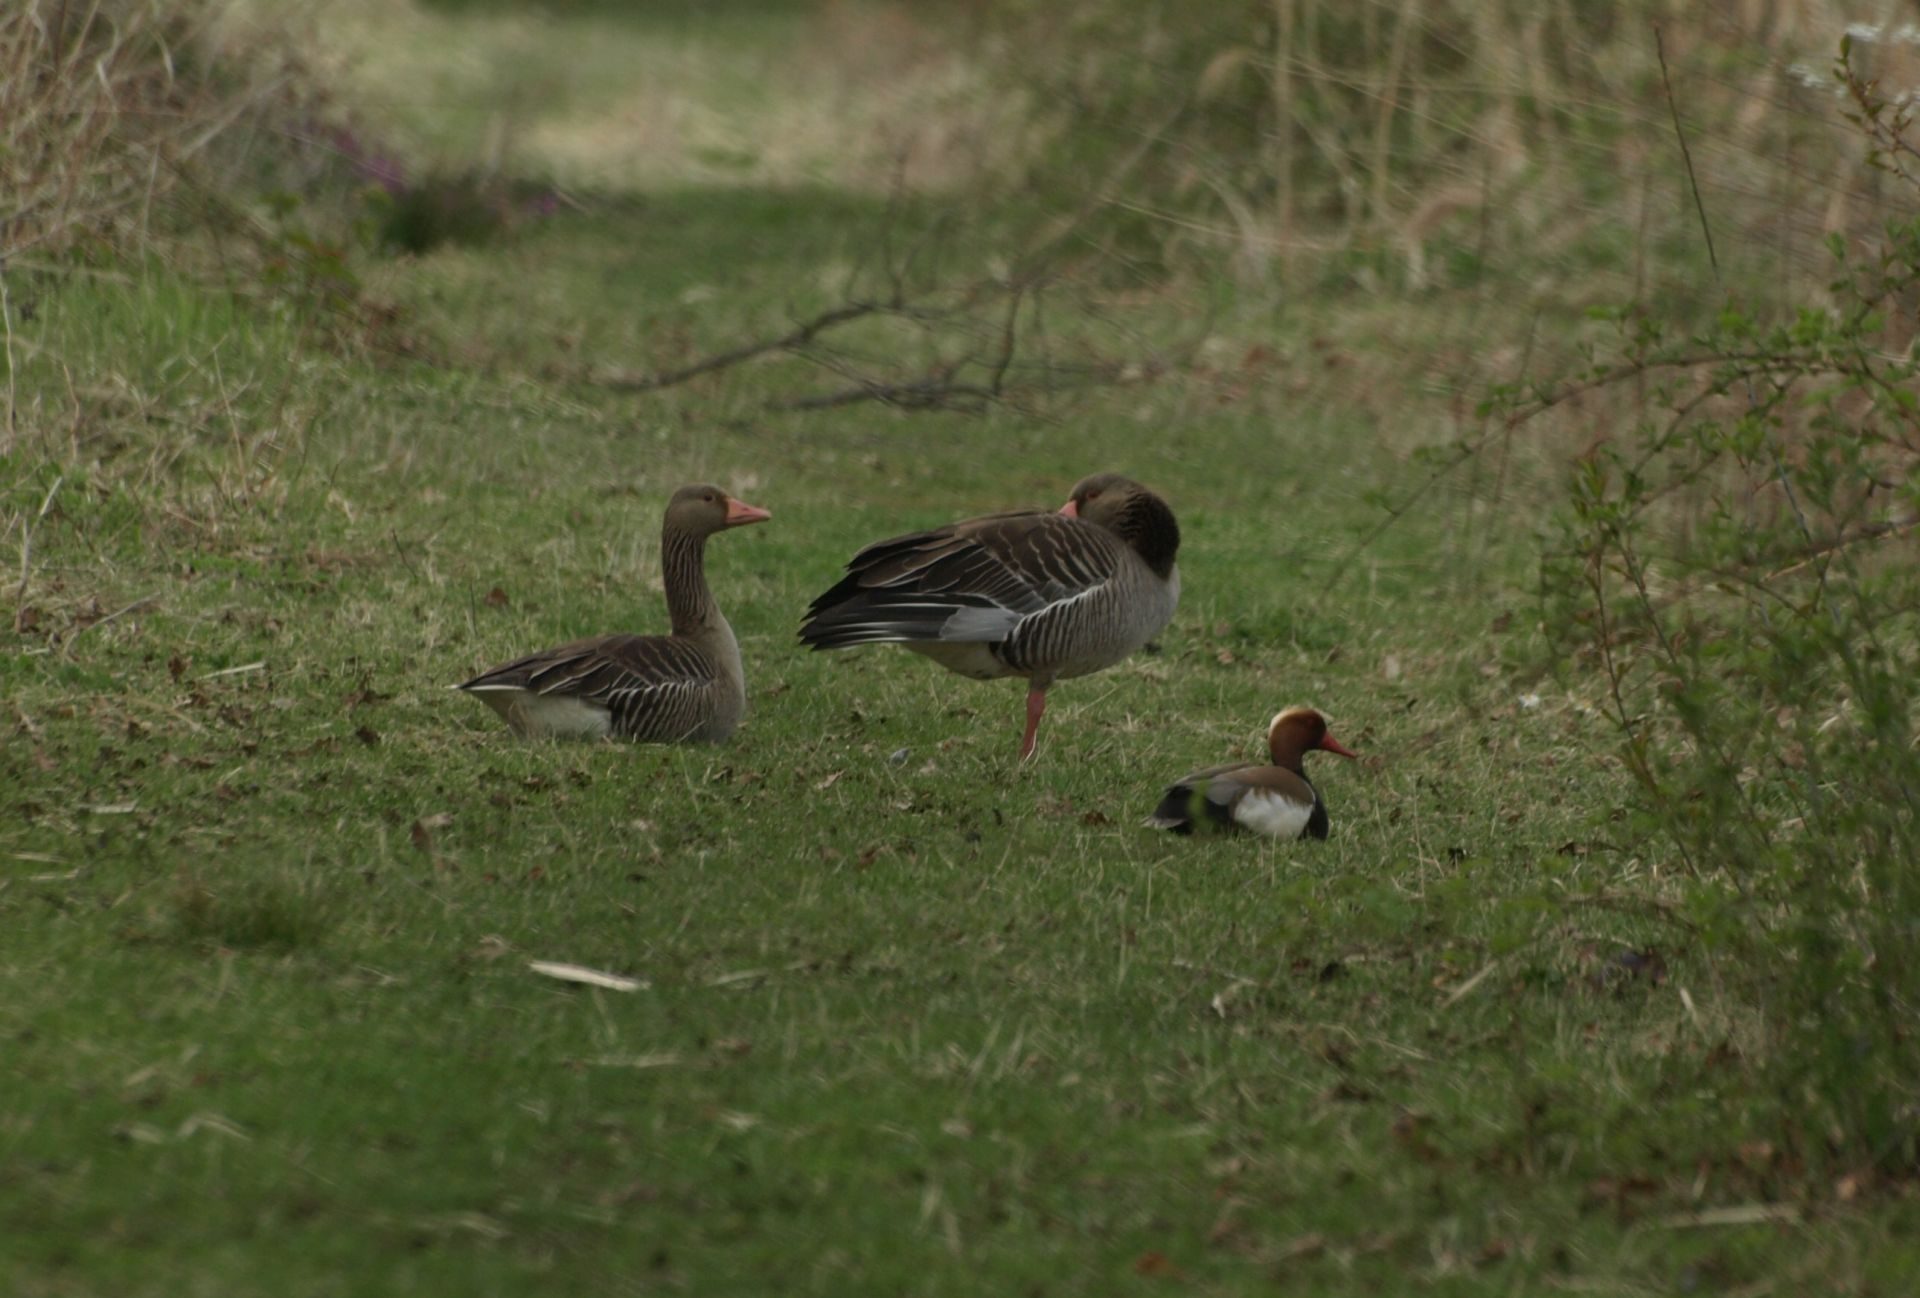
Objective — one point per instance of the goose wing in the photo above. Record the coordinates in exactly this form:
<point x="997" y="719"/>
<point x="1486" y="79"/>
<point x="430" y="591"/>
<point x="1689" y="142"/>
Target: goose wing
<point x="970" y="582"/>
<point x="609" y="671"/>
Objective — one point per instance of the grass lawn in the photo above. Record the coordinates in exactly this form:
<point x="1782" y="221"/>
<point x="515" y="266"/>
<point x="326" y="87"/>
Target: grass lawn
<point x="915" y="1018"/>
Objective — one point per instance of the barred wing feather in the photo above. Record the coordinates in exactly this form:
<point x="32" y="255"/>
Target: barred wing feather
<point x="974" y="581"/>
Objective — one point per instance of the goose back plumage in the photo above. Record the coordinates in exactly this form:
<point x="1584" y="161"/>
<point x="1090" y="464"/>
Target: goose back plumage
<point x="651" y="689"/>
<point x="1035" y="594"/>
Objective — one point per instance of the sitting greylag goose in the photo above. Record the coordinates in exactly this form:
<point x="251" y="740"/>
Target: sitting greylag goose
<point x="1276" y="800"/>
<point x="651" y="688"/>
<point x="1042" y="595"/>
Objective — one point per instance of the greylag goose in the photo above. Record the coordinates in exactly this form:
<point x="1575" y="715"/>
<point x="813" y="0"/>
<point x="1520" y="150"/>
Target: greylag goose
<point x="1046" y="596"/>
<point x="651" y="688"/>
<point x="1276" y="800"/>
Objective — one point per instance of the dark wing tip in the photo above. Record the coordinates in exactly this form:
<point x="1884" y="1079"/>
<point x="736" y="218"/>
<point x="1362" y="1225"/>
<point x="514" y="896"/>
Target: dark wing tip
<point x="492" y="676"/>
<point x="1175" y="811"/>
<point x="819" y="637"/>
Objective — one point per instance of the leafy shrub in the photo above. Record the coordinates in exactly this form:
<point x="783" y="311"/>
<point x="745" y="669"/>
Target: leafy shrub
<point x="1738" y="575"/>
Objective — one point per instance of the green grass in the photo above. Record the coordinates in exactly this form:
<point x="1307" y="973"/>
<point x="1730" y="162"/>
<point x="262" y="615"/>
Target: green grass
<point x="918" y="1019"/>
<point x="913" y="1025"/>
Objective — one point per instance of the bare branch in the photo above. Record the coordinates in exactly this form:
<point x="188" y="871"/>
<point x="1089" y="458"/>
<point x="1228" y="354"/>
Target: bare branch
<point x="794" y="339"/>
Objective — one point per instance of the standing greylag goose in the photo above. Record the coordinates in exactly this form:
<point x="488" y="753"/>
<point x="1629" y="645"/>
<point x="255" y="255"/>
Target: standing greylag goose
<point x="1033" y="594"/>
<point x="652" y="688"/>
<point x="1276" y="800"/>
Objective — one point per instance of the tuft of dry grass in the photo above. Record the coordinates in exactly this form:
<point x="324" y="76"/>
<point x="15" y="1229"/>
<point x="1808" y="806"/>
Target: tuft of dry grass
<point x="1438" y="138"/>
<point x="83" y="95"/>
<point x="103" y="105"/>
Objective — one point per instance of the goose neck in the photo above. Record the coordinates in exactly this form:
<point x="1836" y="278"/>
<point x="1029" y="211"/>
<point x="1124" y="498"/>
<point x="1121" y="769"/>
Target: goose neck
<point x="683" y="570"/>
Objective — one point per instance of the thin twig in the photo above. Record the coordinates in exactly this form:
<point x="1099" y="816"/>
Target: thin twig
<point x="1686" y="154"/>
<point x="935" y="392"/>
<point x="6" y="320"/>
<point x="795" y="338"/>
<point x="1007" y="340"/>
<point x="67" y="648"/>
<point x="27" y="529"/>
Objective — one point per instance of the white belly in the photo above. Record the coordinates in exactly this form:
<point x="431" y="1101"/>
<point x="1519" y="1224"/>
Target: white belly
<point x="547" y="716"/>
<point x="1272" y="814"/>
<point x="968" y="659"/>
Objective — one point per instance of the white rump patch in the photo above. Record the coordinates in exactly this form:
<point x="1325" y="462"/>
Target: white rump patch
<point x="974" y="660"/>
<point x="1272" y="814"/>
<point x="546" y="716"/>
<point x="989" y="625"/>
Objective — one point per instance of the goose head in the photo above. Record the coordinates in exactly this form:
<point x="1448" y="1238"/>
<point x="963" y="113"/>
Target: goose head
<point x="1131" y="512"/>
<point x="703" y="509"/>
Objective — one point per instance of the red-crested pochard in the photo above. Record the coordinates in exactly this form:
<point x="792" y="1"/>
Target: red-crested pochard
<point x="1276" y="800"/>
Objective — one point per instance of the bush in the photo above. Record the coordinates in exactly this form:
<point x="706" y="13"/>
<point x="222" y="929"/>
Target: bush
<point x="1739" y="577"/>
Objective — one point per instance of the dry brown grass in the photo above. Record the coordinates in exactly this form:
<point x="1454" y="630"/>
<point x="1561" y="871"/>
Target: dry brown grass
<point x="100" y="109"/>
<point x="1429" y="131"/>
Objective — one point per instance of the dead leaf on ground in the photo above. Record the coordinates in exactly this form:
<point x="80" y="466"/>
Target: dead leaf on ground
<point x="422" y="829"/>
<point x="495" y="598"/>
<point x="829" y="782"/>
<point x="1626" y="966"/>
<point x="1228" y="1229"/>
<point x="1155" y="1263"/>
<point x="1617" y="1191"/>
<point x="1305" y="1247"/>
<point x="1410" y="1133"/>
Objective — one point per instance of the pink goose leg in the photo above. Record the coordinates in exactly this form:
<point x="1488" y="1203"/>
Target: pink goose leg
<point x="1036" y="706"/>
